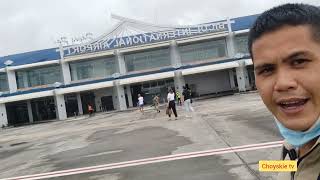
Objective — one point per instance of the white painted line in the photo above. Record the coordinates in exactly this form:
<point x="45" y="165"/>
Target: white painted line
<point x="149" y="161"/>
<point x="103" y="153"/>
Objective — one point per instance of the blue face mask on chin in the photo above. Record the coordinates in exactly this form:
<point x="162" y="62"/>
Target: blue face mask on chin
<point x="299" y="138"/>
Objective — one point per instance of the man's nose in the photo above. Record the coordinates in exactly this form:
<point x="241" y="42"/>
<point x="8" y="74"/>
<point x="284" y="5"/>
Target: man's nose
<point x="285" y="80"/>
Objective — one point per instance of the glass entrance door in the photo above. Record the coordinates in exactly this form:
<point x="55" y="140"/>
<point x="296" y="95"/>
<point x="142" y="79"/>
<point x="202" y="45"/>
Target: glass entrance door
<point x="43" y="109"/>
<point x="17" y="113"/>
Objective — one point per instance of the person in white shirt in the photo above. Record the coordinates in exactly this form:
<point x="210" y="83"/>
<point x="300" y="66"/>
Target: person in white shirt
<point x="171" y="104"/>
<point x="140" y="103"/>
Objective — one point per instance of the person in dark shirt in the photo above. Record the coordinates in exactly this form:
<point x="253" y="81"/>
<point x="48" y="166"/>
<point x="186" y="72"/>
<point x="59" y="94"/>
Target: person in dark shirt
<point x="187" y="100"/>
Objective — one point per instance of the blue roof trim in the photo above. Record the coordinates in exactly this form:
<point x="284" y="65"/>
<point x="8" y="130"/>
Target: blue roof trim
<point x="31" y="57"/>
<point x="242" y="23"/>
<point x="87" y="82"/>
<point x="167" y="69"/>
<point x="27" y="91"/>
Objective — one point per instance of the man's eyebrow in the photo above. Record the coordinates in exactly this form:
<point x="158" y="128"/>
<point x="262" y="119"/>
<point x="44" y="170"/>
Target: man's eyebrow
<point x="262" y="66"/>
<point x="291" y="56"/>
<point x="295" y="55"/>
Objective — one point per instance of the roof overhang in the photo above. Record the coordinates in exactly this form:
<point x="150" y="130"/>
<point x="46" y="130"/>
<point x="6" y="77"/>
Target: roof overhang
<point x="149" y="77"/>
<point x="23" y="97"/>
<point x="240" y="32"/>
<point x="33" y="65"/>
<point x="213" y="67"/>
<point x="86" y="87"/>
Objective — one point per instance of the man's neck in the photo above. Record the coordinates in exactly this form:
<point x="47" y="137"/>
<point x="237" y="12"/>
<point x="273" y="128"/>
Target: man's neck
<point x="307" y="147"/>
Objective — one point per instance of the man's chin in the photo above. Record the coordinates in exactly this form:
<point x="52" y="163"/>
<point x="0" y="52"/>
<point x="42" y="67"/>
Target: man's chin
<point x="292" y="123"/>
<point x="296" y="126"/>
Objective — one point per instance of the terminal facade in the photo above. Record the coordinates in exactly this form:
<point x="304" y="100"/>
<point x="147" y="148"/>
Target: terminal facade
<point x="109" y="72"/>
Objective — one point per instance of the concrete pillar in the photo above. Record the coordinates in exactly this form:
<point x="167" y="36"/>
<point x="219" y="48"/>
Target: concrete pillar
<point x="121" y="65"/>
<point x="79" y="104"/>
<point x="60" y="107"/>
<point x="179" y="81"/>
<point x="97" y="99"/>
<point x="66" y="76"/>
<point x="231" y="78"/>
<point x="230" y="40"/>
<point x="242" y="77"/>
<point x="12" y="82"/>
<point x="175" y="57"/>
<point x="128" y="89"/>
<point x="231" y="45"/>
<point x="65" y="72"/>
<point x="30" y="111"/>
<point x="3" y="115"/>
<point x="119" y="99"/>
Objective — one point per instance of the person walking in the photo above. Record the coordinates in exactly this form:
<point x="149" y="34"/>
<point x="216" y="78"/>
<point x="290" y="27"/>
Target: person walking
<point x="171" y="104"/>
<point x="187" y="100"/>
<point x="178" y="95"/>
<point x="156" y="103"/>
<point x="140" y="103"/>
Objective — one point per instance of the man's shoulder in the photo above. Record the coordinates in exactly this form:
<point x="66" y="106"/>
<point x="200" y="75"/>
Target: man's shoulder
<point x="309" y="165"/>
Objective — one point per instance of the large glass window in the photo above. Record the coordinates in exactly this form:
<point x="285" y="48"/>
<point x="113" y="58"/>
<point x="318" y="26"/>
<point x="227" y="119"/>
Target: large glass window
<point x="147" y="60"/>
<point x="38" y="76"/>
<point x="98" y="68"/>
<point x="43" y="109"/>
<point x="17" y="113"/>
<point x="3" y="82"/>
<point x="242" y="44"/>
<point x="202" y="51"/>
<point x="150" y="88"/>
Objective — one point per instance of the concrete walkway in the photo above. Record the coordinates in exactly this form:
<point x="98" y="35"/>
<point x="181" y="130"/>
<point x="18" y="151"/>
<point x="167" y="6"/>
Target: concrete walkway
<point x="217" y="123"/>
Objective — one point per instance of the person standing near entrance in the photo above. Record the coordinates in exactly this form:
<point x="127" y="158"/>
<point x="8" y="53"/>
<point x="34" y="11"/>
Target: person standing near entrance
<point x="186" y="94"/>
<point x="90" y="109"/>
<point x="156" y="103"/>
<point x="172" y="104"/>
<point x="140" y="103"/>
<point x="178" y="95"/>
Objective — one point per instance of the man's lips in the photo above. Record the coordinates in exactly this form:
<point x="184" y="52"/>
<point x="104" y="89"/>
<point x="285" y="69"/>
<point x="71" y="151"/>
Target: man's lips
<point x="292" y="105"/>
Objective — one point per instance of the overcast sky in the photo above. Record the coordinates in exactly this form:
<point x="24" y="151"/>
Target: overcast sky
<point x="27" y="25"/>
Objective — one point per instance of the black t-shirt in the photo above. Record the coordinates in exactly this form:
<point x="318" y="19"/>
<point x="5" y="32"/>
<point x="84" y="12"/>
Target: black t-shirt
<point x="186" y="94"/>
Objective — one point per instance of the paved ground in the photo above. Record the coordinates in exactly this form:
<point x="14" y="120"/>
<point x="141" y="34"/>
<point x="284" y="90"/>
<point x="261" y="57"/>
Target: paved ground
<point x="223" y="122"/>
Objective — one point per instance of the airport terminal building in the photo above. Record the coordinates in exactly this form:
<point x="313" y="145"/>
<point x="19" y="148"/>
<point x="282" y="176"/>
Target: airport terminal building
<point x="109" y="71"/>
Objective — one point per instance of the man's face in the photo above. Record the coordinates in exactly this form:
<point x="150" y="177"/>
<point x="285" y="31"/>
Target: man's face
<point x="287" y="71"/>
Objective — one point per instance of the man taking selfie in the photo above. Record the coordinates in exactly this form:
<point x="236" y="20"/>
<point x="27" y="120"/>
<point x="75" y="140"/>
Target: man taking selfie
<point x="284" y="44"/>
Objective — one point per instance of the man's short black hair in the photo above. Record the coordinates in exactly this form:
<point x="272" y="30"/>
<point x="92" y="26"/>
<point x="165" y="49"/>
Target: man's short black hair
<point x="287" y="14"/>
